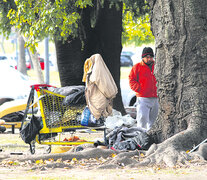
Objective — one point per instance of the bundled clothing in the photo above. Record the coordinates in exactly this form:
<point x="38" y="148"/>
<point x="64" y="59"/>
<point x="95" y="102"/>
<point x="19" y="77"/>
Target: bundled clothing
<point x="100" y="86"/>
<point x="75" y="95"/>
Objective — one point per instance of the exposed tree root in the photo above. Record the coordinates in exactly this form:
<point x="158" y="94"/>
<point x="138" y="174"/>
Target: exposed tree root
<point x="201" y="153"/>
<point x="174" y="151"/>
<point x="86" y="154"/>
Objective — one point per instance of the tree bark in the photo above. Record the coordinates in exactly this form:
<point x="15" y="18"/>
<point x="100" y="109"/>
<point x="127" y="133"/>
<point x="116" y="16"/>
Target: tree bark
<point x="70" y="61"/>
<point x="36" y="64"/>
<point x="180" y="32"/>
<point x="2" y="44"/>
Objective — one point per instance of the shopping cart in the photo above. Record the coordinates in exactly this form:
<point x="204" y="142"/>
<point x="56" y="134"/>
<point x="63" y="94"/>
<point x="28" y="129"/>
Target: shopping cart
<point x="57" y="119"/>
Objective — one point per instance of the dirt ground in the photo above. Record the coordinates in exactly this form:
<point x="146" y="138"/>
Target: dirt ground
<point x="115" y="174"/>
<point x="12" y="146"/>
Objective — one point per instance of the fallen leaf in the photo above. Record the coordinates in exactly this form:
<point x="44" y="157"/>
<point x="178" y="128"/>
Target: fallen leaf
<point x="10" y="162"/>
<point x="113" y="155"/>
<point x="39" y="161"/>
<point x="59" y="160"/>
<point x="74" y="161"/>
<point x="142" y="155"/>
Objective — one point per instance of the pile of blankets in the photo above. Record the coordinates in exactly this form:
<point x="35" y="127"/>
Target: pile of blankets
<point x="125" y="138"/>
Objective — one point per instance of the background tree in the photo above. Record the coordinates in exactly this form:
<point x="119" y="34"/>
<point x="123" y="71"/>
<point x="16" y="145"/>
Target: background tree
<point x="100" y="31"/>
<point x="2" y="44"/>
<point x="103" y="37"/>
<point x="21" y="66"/>
<point x="10" y="18"/>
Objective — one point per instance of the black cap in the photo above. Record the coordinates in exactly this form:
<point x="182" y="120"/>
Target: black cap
<point x="147" y="51"/>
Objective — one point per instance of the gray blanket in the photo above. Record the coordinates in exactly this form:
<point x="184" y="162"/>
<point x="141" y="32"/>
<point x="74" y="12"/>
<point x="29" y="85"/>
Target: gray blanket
<point x="128" y="138"/>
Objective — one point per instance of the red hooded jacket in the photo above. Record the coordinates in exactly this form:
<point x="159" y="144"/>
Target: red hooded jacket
<point x="142" y="80"/>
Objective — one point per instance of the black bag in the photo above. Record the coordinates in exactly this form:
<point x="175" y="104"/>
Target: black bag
<point x="29" y="131"/>
<point x="143" y="141"/>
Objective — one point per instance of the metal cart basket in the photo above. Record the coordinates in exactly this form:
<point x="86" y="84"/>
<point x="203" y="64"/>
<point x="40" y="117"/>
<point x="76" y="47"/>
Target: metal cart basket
<point x="57" y="118"/>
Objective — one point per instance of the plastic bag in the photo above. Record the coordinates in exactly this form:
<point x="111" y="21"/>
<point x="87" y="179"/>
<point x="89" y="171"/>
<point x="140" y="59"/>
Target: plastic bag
<point x="87" y="119"/>
<point x="117" y="120"/>
<point x="85" y="116"/>
<point x="143" y="140"/>
<point x="29" y="131"/>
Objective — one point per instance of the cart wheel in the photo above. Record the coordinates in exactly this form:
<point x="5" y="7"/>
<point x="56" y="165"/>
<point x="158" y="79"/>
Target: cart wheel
<point x="32" y="147"/>
<point x="48" y="149"/>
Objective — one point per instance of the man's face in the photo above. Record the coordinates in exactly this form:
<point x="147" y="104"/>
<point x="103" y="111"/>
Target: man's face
<point x="147" y="59"/>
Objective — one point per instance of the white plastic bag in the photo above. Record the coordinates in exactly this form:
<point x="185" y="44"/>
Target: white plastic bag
<point x="117" y="120"/>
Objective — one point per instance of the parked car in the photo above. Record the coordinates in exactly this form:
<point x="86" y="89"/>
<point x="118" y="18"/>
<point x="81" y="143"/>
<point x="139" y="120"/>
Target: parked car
<point x="128" y="96"/>
<point x="3" y="57"/>
<point x="14" y="85"/>
<point x="41" y="61"/>
<point x="126" y="60"/>
<point x="127" y="53"/>
<point x="6" y="59"/>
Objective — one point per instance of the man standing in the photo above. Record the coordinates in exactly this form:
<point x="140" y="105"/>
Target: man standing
<point x="143" y="82"/>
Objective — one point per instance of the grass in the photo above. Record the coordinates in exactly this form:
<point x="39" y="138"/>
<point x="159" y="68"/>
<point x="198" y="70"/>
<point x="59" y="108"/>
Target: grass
<point x="14" y="143"/>
<point x="11" y="139"/>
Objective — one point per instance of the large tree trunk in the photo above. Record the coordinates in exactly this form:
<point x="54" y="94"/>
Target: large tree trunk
<point x="103" y="38"/>
<point x="180" y="32"/>
<point x="109" y="28"/>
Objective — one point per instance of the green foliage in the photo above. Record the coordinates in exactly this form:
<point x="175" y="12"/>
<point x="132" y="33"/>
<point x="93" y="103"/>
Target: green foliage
<point x="59" y="19"/>
<point x="37" y="19"/>
<point x="136" y="7"/>
<point x="136" y="31"/>
<point x="136" y="23"/>
<point x="5" y="26"/>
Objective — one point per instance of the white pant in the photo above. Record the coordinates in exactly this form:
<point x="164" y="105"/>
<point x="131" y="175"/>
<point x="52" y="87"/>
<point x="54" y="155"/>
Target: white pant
<point x="147" y="111"/>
